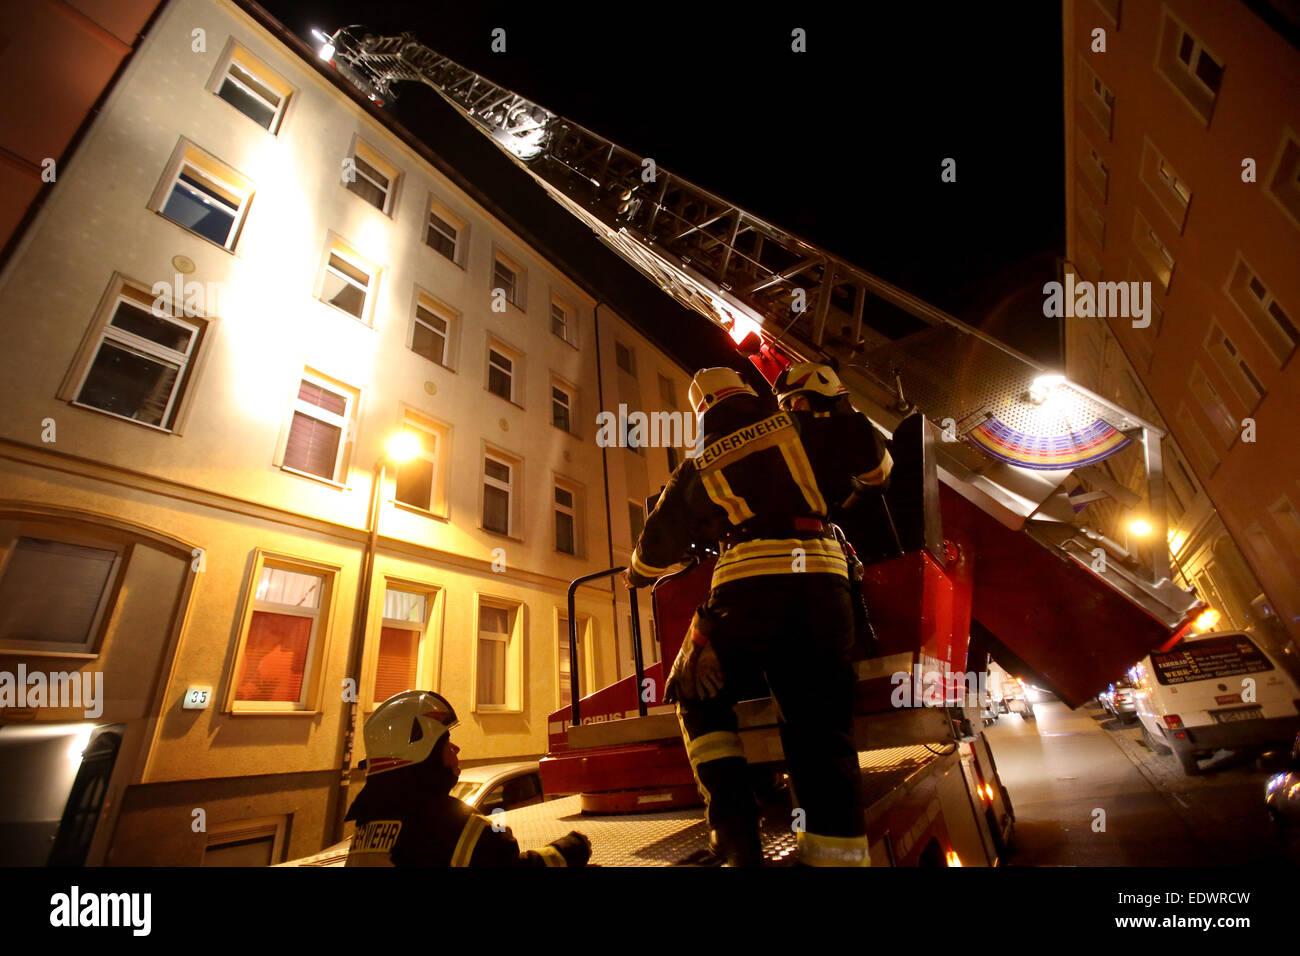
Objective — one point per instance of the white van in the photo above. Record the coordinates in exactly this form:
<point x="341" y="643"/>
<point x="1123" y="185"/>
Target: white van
<point x="1214" y="690"/>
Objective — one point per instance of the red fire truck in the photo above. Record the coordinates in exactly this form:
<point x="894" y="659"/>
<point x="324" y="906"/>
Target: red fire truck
<point x="988" y="553"/>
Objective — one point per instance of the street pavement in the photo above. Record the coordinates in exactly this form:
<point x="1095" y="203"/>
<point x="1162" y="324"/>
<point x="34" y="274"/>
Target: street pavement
<point x="1087" y="791"/>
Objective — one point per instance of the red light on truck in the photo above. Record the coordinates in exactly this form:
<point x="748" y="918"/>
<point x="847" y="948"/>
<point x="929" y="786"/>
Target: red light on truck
<point x="1173" y="720"/>
<point x="1228" y="699"/>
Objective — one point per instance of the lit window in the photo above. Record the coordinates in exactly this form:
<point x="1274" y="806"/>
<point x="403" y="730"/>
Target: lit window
<point x="498" y="489"/>
<point x="496" y="656"/>
<point x="561" y="408"/>
<point x="55" y="596"/>
<point x="565" y="521"/>
<point x="140" y="369"/>
<point x="563" y="677"/>
<point x="204" y="195"/>
<point x="347" y="280"/>
<point x="281" y="641"/>
<point x="253" y="89"/>
<point x="319" y="429"/>
<point x="431" y="331"/>
<point x="405" y="616"/>
<point x="422" y="481"/>
<point x="370" y="176"/>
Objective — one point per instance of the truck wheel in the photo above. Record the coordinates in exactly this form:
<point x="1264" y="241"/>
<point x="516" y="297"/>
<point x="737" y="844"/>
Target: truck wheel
<point x="1155" y="745"/>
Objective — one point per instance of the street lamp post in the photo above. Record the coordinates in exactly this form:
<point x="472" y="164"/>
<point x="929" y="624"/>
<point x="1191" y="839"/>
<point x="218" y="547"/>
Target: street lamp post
<point x="399" y="448"/>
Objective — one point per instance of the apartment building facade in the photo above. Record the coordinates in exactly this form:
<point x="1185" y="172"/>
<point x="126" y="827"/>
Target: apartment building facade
<point x="245" y="283"/>
<point x="1182" y="124"/>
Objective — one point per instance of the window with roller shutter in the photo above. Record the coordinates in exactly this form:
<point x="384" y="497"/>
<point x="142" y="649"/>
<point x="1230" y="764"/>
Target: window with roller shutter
<point x="56" y="595"/>
<point x="318" y="430"/>
<point x="396" y="664"/>
<point x="281" y="637"/>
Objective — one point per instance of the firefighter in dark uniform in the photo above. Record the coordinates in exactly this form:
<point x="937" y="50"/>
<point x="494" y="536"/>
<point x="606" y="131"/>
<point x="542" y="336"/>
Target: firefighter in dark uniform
<point x="779" y="608"/>
<point x="405" y="814"/>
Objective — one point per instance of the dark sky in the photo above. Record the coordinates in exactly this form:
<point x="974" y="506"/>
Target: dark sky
<point x="842" y="144"/>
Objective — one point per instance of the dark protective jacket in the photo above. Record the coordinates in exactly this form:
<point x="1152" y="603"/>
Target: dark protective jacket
<point x="408" y="818"/>
<point x="761" y="484"/>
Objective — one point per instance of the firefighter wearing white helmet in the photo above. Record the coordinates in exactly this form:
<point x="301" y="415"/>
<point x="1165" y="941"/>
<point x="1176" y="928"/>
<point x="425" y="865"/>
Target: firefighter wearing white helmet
<point x="805" y="380"/>
<point x="778" y="617"/>
<point x="405" y="814"/>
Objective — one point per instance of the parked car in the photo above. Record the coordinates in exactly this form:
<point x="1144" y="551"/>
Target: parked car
<point x="498" y="786"/>
<point x="1211" y="691"/>
<point x="1282" y="798"/>
<point x="1119" y="701"/>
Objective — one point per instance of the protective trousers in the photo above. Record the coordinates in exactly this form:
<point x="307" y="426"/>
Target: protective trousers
<point x="796" y="630"/>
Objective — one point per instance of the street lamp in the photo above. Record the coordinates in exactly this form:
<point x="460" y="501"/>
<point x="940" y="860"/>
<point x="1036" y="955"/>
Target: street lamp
<point x="398" y="449"/>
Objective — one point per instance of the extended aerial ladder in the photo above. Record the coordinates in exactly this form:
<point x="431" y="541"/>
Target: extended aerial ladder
<point x="996" y="458"/>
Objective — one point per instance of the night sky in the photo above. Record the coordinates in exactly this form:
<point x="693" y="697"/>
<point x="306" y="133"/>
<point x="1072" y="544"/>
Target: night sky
<point x="842" y="144"/>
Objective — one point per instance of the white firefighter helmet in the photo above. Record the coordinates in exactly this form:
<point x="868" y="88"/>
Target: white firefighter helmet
<point x="404" y="730"/>
<point x="712" y="385"/>
<point x="808" y="377"/>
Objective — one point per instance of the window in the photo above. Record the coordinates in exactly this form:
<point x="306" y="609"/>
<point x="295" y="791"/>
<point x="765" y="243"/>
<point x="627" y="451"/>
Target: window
<point x="1192" y="438"/>
<point x="251" y="87"/>
<point x="503" y="372"/>
<point x="497" y="681"/>
<point x="498" y="494"/>
<point x="509" y="277"/>
<point x="562" y="402"/>
<point x="563" y="676"/>
<point x="1169" y="189"/>
<point x="446" y="233"/>
<point x="348" y="280"/>
<point x="319" y="430"/>
<point x="1267" y="317"/>
<point x="202" y="194"/>
<point x="282" y="636"/>
<point x="246" y="843"/>
<point x="1189" y="67"/>
<point x="636" y="519"/>
<point x="422" y="481"/>
<point x="1154" y="252"/>
<point x="1284" y="184"/>
<point x="1098" y="99"/>
<point x="1092" y="167"/>
<point x="566" y="519"/>
<point x="405" y="616"/>
<point x="372" y="177"/>
<point x="562" y="321"/>
<point x="1235" y="368"/>
<point x="431" y="330"/>
<point x="137" y="362"/>
<point x="56" y="590"/>
<point x="625" y="358"/>
<point x="1213" y="405"/>
<point x="1091" y="219"/>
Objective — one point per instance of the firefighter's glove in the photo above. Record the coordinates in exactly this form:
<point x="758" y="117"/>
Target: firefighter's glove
<point x="697" y="672"/>
<point x="574" y="847"/>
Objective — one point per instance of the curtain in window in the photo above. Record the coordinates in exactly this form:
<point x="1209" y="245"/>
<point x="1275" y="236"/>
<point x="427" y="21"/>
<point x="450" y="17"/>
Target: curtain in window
<point x="275" y="658"/>
<point x="395" y="667"/>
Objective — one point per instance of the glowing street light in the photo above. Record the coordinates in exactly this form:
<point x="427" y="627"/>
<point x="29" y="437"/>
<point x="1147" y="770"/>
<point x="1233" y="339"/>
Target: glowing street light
<point x="1207" y="619"/>
<point x="402" y="447"/>
<point x="1140" y="527"/>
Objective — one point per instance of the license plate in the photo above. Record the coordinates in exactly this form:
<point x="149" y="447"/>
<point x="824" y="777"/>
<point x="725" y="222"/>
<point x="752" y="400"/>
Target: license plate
<point x="1244" y="713"/>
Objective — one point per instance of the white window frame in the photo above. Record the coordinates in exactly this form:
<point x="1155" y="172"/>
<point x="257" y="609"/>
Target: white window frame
<point x="439" y="458"/>
<point x="515" y="373"/>
<point x="460" y="244"/>
<point x="309" y="696"/>
<point x="102" y="330"/>
<point x="238" y="831"/>
<point x="361" y="151"/>
<point x="570" y="403"/>
<point x="507" y="486"/>
<point x="421" y="630"/>
<point x="1198" y="50"/>
<point x="514" y="641"/>
<point x="337" y="246"/>
<point x="344" y="422"/>
<point x="519" y="288"/>
<point x="449" y="317"/>
<point x="585" y="640"/>
<point x="237" y="55"/>
<point x="1277" y="340"/>
<point x="187" y="155"/>
<point x="630" y="369"/>
<point x="1227" y="357"/>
